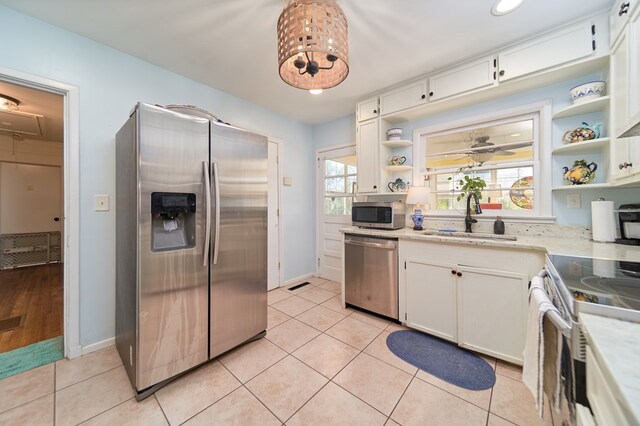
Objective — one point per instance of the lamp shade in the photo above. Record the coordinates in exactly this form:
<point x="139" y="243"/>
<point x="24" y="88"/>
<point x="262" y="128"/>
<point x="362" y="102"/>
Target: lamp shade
<point x="418" y="195"/>
<point x="313" y="46"/>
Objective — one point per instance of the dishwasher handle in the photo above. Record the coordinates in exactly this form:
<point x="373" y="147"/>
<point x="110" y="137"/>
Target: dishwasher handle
<point x="388" y="245"/>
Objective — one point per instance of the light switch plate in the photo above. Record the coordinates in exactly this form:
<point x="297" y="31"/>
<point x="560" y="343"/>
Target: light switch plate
<point x="101" y="202"/>
<point x="573" y="201"/>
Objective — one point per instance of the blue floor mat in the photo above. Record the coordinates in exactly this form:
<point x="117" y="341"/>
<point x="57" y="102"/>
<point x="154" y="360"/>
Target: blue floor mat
<point x="442" y="359"/>
<point x="32" y="356"/>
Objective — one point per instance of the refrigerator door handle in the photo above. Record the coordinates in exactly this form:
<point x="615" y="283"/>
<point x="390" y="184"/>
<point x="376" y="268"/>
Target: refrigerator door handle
<point x="216" y="238"/>
<point x="207" y="230"/>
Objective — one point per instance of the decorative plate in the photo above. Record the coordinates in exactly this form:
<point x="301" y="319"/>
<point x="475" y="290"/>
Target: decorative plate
<point x="522" y="198"/>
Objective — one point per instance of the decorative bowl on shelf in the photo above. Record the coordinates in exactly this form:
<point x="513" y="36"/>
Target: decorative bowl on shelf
<point x="588" y="91"/>
<point x="397" y="160"/>
<point x="394" y="134"/>
<point x="398" y="185"/>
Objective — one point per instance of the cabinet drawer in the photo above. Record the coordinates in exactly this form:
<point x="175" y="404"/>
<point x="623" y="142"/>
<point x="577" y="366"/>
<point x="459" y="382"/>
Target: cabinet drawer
<point x="606" y="409"/>
<point x="408" y="96"/>
<point x="467" y="77"/>
<point x="564" y="46"/>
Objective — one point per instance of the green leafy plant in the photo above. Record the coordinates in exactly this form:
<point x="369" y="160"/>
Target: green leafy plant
<point x="469" y="185"/>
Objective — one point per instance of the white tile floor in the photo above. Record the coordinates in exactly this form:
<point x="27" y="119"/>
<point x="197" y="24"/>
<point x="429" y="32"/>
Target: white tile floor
<point x="319" y="364"/>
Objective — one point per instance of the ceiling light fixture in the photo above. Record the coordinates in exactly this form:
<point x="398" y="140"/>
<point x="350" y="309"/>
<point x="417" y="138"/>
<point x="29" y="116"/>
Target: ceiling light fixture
<point x="8" y="103"/>
<point x="313" y="51"/>
<point x="502" y="7"/>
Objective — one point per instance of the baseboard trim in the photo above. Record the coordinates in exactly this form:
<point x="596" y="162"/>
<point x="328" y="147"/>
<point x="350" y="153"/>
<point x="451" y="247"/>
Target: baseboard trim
<point x="98" y="345"/>
<point x="297" y="279"/>
<point x="74" y="352"/>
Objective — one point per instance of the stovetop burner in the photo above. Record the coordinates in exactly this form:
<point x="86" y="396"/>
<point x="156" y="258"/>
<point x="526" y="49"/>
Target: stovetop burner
<point x="600" y="281"/>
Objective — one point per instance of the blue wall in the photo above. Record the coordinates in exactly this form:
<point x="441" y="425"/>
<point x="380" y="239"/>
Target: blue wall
<point x="342" y="130"/>
<point x="110" y="83"/>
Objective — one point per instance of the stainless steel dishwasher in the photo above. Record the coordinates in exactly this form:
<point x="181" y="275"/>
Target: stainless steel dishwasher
<point x="371" y="274"/>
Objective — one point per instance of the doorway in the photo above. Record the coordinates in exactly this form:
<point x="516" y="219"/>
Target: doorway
<point x="274" y="234"/>
<point x="336" y="190"/>
<point x="31" y="222"/>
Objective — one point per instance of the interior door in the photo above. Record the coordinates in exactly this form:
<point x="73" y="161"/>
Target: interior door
<point x="238" y="282"/>
<point x="274" y="217"/>
<point x="337" y="177"/>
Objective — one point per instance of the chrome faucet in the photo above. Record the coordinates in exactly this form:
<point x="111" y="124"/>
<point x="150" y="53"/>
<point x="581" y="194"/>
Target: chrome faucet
<point x="468" y="220"/>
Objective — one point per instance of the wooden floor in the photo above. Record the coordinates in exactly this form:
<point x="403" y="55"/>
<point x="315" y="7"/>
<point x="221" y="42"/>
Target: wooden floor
<point x="34" y="291"/>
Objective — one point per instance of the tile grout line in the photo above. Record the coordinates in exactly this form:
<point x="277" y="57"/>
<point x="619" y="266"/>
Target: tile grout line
<point x="108" y="409"/>
<point x="88" y="378"/>
<point x="161" y="409"/>
<point x="214" y="402"/>
<point x="415" y="376"/>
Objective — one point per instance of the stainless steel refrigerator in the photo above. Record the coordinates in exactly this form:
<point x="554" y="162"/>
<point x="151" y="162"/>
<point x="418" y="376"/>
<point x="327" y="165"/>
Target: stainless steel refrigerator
<point x="191" y="242"/>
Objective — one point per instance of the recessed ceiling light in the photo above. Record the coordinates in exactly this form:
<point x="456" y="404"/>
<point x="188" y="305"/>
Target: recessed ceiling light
<point x="502" y="7"/>
<point x="315" y="91"/>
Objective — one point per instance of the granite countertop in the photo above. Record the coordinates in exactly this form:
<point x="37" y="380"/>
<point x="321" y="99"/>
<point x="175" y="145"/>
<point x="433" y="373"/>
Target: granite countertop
<point x="549" y="244"/>
<point x="616" y="345"/>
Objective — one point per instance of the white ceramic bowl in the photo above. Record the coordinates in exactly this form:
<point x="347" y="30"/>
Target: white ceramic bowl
<point x="587" y="91"/>
<point x="394" y="134"/>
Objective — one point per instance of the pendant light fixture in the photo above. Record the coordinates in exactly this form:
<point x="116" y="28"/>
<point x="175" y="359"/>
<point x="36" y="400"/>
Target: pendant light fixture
<point x="313" y="51"/>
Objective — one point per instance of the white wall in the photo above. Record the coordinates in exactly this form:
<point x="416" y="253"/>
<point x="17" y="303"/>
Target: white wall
<point x="110" y="83"/>
<point x="30" y="151"/>
<point x="341" y="130"/>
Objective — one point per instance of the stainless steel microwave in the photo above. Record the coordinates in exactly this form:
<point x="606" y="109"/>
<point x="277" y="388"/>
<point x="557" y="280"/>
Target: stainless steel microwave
<point x="379" y="215"/>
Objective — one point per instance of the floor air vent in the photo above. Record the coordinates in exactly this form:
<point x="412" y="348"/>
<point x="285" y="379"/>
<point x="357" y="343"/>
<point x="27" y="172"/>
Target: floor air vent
<point x="295" y="287"/>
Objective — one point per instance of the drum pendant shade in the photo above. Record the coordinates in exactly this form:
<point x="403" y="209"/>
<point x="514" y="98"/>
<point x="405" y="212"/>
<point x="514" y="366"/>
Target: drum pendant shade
<point x="313" y="51"/>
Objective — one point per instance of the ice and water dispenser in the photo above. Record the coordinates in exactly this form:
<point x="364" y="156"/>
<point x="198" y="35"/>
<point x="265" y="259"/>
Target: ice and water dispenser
<point x="173" y="221"/>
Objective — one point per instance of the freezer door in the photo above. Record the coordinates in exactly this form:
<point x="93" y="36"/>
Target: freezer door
<point x="239" y="237"/>
<point x="172" y="280"/>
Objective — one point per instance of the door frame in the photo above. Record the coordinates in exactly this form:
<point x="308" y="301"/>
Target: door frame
<point x="279" y="143"/>
<point x="320" y="196"/>
<point x="71" y="202"/>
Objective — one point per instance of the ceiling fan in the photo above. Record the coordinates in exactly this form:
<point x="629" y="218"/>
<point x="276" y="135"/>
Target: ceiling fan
<point x="481" y="150"/>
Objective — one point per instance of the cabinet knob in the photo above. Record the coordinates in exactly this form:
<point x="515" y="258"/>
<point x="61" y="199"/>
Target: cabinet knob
<point x="459" y="274"/>
<point x="375" y="111"/>
<point x="624" y="8"/>
<point x="423" y="97"/>
<point x="453" y="272"/>
<point x="375" y="186"/>
<point x="630" y="165"/>
<point x="501" y="72"/>
<point x="430" y="93"/>
<point x="620" y="166"/>
<point x="56" y="219"/>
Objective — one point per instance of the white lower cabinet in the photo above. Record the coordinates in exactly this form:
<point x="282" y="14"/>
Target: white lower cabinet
<point x="492" y="307"/>
<point x="432" y="298"/>
<point x="470" y="295"/>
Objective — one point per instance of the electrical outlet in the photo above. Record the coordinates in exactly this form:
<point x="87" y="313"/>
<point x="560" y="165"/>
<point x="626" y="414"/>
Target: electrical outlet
<point x="101" y="203"/>
<point x="573" y="201"/>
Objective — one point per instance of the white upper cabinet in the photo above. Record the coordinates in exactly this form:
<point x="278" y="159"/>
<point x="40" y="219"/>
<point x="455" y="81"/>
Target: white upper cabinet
<point x="367" y="109"/>
<point x="569" y="44"/>
<point x="634" y="67"/>
<point x="408" y="96"/>
<point x="464" y="78"/>
<point x="367" y="143"/>
<point x="619" y="16"/>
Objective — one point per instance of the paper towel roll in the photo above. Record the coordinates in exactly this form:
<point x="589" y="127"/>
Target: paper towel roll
<point x="603" y="221"/>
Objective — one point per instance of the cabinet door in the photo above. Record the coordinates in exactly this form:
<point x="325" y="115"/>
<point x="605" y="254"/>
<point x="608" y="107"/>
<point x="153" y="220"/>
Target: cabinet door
<point x="563" y="46"/>
<point x="633" y="33"/>
<point x="431" y="297"/>
<point x="618" y="17"/>
<point x="464" y="78"/>
<point x="367" y="109"/>
<point x="408" y="96"/>
<point x="619" y="83"/>
<point x="492" y="309"/>
<point x="367" y="145"/>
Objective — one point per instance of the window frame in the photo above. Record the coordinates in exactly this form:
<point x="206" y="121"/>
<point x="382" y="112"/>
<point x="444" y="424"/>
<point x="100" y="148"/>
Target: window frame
<point x="541" y="112"/>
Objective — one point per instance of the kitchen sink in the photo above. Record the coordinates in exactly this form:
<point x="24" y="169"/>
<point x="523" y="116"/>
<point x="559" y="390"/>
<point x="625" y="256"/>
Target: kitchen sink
<point x="475" y="235"/>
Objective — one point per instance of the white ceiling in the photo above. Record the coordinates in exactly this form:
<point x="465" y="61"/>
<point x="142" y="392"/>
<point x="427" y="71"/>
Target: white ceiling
<point x="231" y="44"/>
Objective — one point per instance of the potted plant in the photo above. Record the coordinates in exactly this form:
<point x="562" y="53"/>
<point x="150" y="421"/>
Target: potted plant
<point x="469" y="185"/>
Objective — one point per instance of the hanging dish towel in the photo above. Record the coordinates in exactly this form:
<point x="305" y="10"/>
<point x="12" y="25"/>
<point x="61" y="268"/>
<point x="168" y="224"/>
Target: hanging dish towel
<point x="533" y="367"/>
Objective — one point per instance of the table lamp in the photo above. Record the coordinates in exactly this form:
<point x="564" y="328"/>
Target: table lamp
<point x="418" y="195"/>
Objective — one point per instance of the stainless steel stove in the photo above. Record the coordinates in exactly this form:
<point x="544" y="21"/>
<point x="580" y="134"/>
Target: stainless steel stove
<point x="599" y="286"/>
